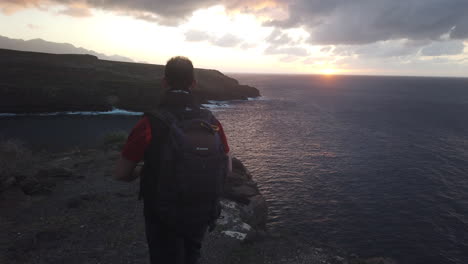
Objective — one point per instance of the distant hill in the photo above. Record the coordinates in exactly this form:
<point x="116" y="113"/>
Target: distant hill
<point x="41" y="82"/>
<point x="40" y="45"/>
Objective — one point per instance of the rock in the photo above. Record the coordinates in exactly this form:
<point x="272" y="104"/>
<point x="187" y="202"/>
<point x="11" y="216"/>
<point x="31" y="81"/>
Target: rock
<point x="77" y="202"/>
<point x="245" y="191"/>
<point x="54" y="173"/>
<point x="235" y="179"/>
<point x="5" y="184"/>
<point x="32" y="186"/>
<point x="239" y="168"/>
<point x="239" y="185"/>
<point x="231" y="223"/>
<point x="256" y="212"/>
<point x="379" y="260"/>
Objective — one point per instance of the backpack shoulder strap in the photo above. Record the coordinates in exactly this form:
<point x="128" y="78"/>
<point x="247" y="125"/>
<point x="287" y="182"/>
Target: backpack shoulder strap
<point x="164" y="116"/>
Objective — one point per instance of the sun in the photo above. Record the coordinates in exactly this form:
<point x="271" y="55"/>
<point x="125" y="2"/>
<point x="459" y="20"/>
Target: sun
<point x="328" y="71"/>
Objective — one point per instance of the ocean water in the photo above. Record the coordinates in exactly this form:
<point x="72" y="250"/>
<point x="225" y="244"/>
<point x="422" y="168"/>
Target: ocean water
<point x="377" y="166"/>
<point x="374" y="165"/>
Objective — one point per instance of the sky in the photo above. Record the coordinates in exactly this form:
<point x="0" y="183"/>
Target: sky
<point x="364" y="37"/>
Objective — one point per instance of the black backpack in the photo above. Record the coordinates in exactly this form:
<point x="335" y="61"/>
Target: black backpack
<point x="191" y="167"/>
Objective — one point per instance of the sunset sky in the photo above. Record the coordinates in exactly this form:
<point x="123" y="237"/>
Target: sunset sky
<point x="372" y="37"/>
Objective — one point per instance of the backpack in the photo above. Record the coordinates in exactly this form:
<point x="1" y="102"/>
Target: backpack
<point x="191" y="170"/>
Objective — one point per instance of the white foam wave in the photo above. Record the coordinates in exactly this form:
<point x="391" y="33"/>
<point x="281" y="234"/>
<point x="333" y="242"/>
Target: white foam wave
<point x="258" y="98"/>
<point x="216" y="105"/>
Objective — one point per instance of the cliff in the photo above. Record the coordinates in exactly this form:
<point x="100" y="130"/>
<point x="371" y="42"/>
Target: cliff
<point x="41" y="82"/>
<point x="65" y="207"/>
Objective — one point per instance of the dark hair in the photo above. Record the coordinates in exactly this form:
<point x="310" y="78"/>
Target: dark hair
<point x="179" y="73"/>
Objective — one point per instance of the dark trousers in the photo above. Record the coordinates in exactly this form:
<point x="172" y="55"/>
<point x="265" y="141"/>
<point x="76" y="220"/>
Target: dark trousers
<point x="171" y="245"/>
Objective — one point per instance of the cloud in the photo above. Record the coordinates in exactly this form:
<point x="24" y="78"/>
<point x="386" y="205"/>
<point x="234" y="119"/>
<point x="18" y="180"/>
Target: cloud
<point x="10" y="6"/>
<point x="196" y="35"/>
<point x="277" y="37"/>
<point x="33" y="26"/>
<point x="289" y="58"/>
<point x="334" y="22"/>
<point x="226" y="41"/>
<point x="166" y="12"/>
<point x="401" y="49"/>
<point x="247" y="45"/>
<point x="315" y="60"/>
<point x="76" y="12"/>
<point x="368" y="21"/>
<point x="290" y="50"/>
<point x="326" y="49"/>
<point x="329" y="22"/>
<point x="443" y="48"/>
<point x="382" y="49"/>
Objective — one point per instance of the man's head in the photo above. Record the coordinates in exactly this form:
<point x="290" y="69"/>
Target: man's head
<point x="179" y="74"/>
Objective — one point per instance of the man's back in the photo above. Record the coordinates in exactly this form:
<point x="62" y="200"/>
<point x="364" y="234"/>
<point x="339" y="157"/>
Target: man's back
<point x="184" y="150"/>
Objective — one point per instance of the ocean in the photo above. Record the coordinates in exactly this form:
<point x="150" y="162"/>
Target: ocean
<point x="376" y="166"/>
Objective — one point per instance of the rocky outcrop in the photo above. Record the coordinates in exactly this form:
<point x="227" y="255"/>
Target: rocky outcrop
<point x="244" y="209"/>
<point x="40" y="82"/>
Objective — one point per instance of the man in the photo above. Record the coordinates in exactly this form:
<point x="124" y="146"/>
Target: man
<point x="180" y="191"/>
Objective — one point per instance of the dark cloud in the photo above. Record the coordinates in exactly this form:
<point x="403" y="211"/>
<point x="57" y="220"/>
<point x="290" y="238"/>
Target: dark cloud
<point x="368" y="21"/>
<point x="165" y="9"/>
<point x="167" y="12"/>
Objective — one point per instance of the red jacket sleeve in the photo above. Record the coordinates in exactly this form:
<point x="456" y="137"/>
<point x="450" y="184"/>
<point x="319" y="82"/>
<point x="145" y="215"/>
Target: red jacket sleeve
<point x="138" y="140"/>
<point x="223" y="136"/>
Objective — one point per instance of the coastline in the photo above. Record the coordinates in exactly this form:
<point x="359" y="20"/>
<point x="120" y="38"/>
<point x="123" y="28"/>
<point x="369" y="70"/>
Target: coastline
<point x="73" y="83"/>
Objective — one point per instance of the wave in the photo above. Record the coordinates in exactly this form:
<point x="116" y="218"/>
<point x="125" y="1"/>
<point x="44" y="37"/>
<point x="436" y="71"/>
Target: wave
<point x="216" y="105"/>
<point x="258" y="98"/>
<point x="114" y="111"/>
<point x="211" y="105"/>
